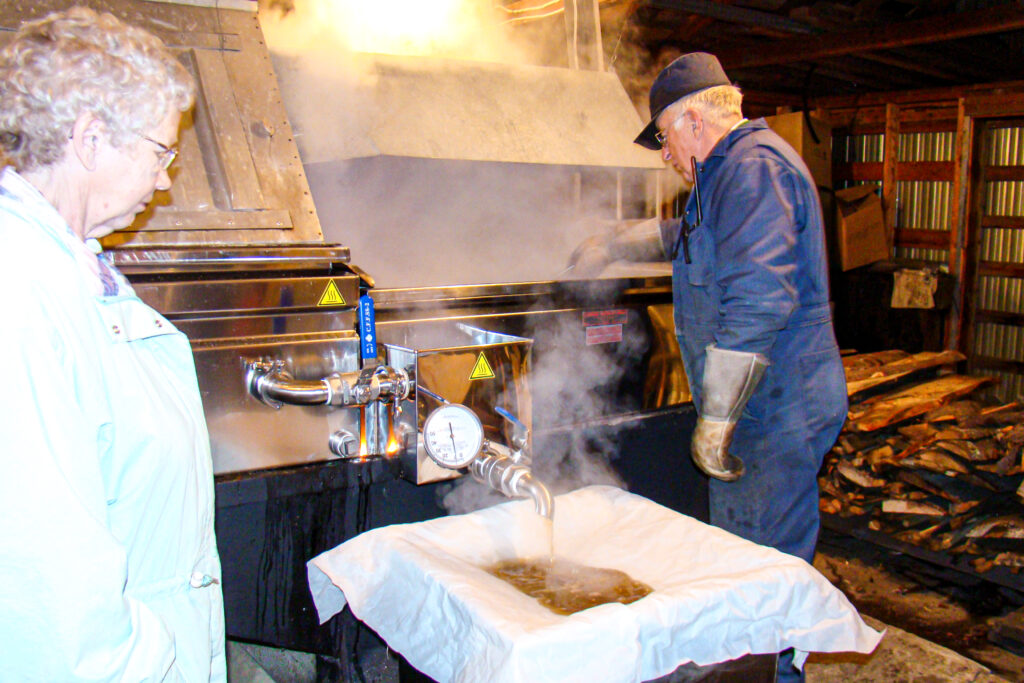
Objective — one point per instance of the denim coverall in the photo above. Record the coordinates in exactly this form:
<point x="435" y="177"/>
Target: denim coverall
<point x="757" y="281"/>
<point x="108" y="563"/>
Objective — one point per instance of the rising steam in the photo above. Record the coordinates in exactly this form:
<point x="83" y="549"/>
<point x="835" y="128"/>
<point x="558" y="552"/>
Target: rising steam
<point x="412" y="221"/>
<point x="571" y="388"/>
<point x="460" y="29"/>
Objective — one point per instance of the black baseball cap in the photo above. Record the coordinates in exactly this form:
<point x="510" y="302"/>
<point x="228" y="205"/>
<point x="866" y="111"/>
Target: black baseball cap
<point x="686" y="75"/>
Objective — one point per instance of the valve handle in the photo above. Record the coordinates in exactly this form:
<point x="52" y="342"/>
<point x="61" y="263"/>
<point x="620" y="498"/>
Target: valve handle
<point x="509" y="416"/>
<point x="520" y="435"/>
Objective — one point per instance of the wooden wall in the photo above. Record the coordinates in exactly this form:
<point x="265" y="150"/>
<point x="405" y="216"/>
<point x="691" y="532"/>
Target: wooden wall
<point x="979" y="232"/>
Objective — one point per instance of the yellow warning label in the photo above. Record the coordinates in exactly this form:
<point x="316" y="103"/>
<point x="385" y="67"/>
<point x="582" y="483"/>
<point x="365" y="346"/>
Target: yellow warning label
<point x="331" y="296"/>
<point x="481" y="369"/>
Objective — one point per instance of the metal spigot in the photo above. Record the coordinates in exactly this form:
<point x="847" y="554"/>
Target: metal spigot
<point x="508" y="469"/>
<point x="496" y="468"/>
<point x="502" y="468"/>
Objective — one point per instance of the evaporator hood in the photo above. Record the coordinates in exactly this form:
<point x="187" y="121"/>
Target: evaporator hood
<point x="366" y="105"/>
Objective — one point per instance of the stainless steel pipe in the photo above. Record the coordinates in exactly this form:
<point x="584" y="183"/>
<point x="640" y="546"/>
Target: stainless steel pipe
<point x="269" y="382"/>
<point x="512" y="479"/>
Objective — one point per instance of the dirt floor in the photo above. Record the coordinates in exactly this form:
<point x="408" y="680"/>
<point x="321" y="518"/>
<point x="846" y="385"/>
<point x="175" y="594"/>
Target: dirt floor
<point x="900" y="592"/>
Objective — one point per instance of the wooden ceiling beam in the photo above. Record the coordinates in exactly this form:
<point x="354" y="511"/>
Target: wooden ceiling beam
<point x="849" y="75"/>
<point x="924" y="96"/>
<point x="860" y="72"/>
<point x="909" y="65"/>
<point x="888" y="36"/>
<point x="724" y="11"/>
<point x="965" y="70"/>
<point x="691" y="27"/>
<point x="773" y="98"/>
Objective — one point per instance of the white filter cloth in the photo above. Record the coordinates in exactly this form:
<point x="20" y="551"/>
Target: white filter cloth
<point x="423" y="589"/>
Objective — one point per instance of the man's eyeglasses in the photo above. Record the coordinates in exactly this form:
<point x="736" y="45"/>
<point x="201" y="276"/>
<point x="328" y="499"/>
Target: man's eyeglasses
<point x="662" y="135"/>
<point x="166" y="155"/>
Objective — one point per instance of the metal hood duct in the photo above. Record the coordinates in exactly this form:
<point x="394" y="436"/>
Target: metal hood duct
<point x="431" y="108"/>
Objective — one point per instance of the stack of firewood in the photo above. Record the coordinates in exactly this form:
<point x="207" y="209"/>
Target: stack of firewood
<point x="924" y="459"/>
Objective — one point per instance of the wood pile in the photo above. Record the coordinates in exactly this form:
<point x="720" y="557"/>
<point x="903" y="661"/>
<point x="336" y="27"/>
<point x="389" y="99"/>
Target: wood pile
<point x="923" y="459"/>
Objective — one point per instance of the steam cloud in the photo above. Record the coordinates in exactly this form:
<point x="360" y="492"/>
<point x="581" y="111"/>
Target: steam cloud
<point x="571" y="387"/>
<point x="460" y="29"/>
<point x="411" y="221"/>
<point x="414" y="222"/>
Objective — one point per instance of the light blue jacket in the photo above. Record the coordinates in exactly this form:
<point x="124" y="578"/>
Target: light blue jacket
<point x="108" y="563"/>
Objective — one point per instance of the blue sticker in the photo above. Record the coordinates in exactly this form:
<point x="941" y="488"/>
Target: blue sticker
<point x="367" y="328"/>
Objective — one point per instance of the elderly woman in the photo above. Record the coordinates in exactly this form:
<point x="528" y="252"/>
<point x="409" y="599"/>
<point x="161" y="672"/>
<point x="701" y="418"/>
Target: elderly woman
<point x="108" y="563"/>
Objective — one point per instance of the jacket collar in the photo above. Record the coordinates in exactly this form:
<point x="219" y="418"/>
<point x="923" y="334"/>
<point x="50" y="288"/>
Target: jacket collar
<point x="730" y="139"/>
<point x="105" y="279"/>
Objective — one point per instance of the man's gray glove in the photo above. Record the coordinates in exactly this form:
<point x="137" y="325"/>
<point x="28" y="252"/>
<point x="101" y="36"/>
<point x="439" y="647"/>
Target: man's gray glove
<point x="730" y="378"/>
<point x="591" y="256"/>
<point x="626" y="241"/>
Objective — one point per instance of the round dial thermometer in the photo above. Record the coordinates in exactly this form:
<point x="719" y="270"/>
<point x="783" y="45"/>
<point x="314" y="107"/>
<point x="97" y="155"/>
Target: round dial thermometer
<point x="453" y="435"/>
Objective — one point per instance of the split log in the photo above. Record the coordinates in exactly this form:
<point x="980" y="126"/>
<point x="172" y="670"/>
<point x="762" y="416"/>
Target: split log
<point x="872" y="360"/>
<point x="865" y="377"/>
<point x="924" y="462"/>
<point x="887" y="409"/>
<point x="957" y="410"/>
<point x="906" y="507"/>
<point x="1009" y="414"/>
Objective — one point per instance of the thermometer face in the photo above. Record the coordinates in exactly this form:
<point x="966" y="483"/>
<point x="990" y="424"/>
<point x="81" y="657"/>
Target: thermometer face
<point x="452" y="435"/>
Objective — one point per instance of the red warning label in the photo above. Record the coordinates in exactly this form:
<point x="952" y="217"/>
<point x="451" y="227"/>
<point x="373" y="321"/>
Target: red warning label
<point x="611" y="316"/>
<point x="603" y="334"/>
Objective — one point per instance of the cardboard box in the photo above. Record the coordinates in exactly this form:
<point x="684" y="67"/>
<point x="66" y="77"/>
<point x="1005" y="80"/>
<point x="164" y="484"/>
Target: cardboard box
<point x="811" y="138"/>
<point x="860" y="227"/>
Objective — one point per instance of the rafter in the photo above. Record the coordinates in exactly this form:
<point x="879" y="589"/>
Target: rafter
<point x="738" y="15"/>
<point x="921" y="67"/>
<point x="932" y="30"/>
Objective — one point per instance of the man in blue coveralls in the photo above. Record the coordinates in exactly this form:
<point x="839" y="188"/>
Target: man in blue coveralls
<point x="750" y="289"/>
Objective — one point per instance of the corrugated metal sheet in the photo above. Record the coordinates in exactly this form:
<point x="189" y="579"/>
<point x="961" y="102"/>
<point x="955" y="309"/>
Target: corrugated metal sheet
<point x="1005" y="147"/>
<point x="926" y="146"/>
<point x="858" y="148"/>
<point x="1005" y="342"/>
<point x="912" y="147"/>
<point x="1002" y="244"/>
<point x="939" y="256"/>
<point x="923" y="205"/>
<point x="1002" y="294"/>
<point x="1004" y="198"/>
